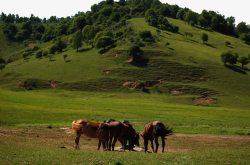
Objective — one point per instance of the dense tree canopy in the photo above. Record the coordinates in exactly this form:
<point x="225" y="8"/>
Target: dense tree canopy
<point x="110" y="12"/>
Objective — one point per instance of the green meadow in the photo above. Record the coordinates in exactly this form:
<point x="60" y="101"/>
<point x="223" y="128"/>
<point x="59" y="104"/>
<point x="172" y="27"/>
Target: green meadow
<point x="218" y="133"/>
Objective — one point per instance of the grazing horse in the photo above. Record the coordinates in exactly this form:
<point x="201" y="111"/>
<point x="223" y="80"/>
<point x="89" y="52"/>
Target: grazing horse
<point x="152" y="131"/>
<point x="83" y="126"/>
<point x="122" y="131"/>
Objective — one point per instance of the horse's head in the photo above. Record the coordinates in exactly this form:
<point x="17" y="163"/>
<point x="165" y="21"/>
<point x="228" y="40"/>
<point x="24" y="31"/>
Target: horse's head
<point x="136" y="139"/>
<point x="169" y="131"/>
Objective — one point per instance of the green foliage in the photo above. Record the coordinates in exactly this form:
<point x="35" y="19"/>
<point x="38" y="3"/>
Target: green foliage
<point x="80" y="22"/>
<point x="137" y="56"/>
<point x="242" y="28"/>
<point x="204" y="37"/>
<point x="58" y="46"/>
<point x="39" y="54"/>
<point x="244" y="61"/>
<point x="159" y="21"/>
<point x="146" y="36"/>
<point x="191" y="17"/>
<point x="104" y="42"/>
<point x="2" y="66"/>
<point x="245" y="37"/>
<point x="77" y="40"/>
<point x="229" y="57"/>
<point x="2" y="61"/>
<point x="89" y="32"/>
<point x="10" y="31"/>
<point x="65" y="56"/>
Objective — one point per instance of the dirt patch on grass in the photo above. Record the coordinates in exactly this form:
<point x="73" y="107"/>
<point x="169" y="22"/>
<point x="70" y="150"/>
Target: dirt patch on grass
<point x="61" y="138"/>
<point x="204" y="100"/>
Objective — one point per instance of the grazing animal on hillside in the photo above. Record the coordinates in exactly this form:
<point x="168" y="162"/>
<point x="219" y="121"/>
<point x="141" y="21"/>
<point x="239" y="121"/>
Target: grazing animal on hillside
<point x="152" y="131"/>
<point x="88" y="128"/>
<point x="122" y="131"/>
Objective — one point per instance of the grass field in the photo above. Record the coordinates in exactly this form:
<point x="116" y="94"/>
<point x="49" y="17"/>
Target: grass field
<point x="30" y="121"/>
<point x="27" y="118"/>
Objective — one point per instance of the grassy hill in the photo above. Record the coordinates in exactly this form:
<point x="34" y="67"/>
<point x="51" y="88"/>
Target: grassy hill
<point x="90" y="85"/>
<point x="181" y="62"/>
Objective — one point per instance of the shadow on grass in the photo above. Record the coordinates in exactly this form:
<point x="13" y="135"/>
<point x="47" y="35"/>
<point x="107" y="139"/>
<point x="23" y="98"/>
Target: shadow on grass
<point x="236" y="68"/>
<point x="210" y="45"/>
<point x="84" y="49"/>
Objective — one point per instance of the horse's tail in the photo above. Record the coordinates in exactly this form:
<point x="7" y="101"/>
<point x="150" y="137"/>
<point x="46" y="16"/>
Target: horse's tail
<point x="161" y="130"/>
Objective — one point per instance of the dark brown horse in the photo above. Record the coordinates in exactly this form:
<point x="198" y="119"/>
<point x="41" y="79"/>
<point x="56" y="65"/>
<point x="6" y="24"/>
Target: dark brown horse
<point x="122" y="131"/>
<point x="88" y="128"/>
<point x="152" y="131"/>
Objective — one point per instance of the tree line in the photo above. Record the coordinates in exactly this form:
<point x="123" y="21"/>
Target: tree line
<point x="18" y="28"/>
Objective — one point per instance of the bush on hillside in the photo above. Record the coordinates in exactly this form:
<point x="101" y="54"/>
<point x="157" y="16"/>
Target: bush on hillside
<point x="243" y="61"/>
<point x="104" y="42"/>
<point x="146" y="36"/>
<point x="229" y="57"/>
<point x="204" y="37"/>
<point x="137" y="56"/>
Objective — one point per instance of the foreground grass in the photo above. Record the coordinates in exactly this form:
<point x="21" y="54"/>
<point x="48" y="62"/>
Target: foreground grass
<point x="54" y="146"/>
<point x="59" y="108"/>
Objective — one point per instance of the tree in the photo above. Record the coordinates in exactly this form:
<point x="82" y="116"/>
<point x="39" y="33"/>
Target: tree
<point x="204" y="37"/>
<point x="136" y="55"/>
<point x="244" y="61"/>
<point x="80" y="22"/>
<point x="229" y="57"/>
<point x="164" y="10"/>
<point x="191" y="17"/>
<point x="151" y="17"/>
<point x="77" y="40"/>
<point x="58" y="46"/>
<point x="146" y="36"/>
<point x="242" y="28"/>
<point x="204" y="19"/>
<point x="245" y="37"/>
<point x="104" y="42"/>
<point x="10" y="31"/>
<point x="65" y="56"/>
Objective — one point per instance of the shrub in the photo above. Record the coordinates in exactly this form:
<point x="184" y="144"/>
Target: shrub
<point x="2" y="66"/>
<point x="146" y="36"/>
<point x="204" y="37"/>
<point x="104" y="42"/>
<point x="45" y="53"/>
<point x="245" y="37"/>
<point x="39" y="54"/>
<point x="229" y="57"/>
<point x="58" y="46"/>
<point x="137" y="56"/>
<point x="227" y="43"/>
<point x="244" y="61"/>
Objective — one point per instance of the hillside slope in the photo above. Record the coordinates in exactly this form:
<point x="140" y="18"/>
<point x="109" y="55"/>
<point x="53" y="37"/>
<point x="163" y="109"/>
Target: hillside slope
<point x="183" y="64"/>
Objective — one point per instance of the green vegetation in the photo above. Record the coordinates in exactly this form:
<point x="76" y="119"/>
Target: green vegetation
<point x="139" y="60"/>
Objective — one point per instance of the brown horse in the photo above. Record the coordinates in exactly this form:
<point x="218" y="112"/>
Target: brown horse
<point x="122" y="131"/>
<point x="152" y="131"/>
<point x="88" y="128"/>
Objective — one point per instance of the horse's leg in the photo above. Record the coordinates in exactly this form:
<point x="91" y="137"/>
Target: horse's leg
<point x="131" y="145"/>
<point x="163" y="143"/>
<point x="104" y="144"/>
<point x="146" y="144"/>
<point x="113" y="144"/>
<point x="110" y="143"/>
<point x="99" y="144"/>
<point x="152" y="144"/>
<point x="77" y="139"/>
<point x="156" y="143"/>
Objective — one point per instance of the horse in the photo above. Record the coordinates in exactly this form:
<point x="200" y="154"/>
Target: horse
<point x="152" y="131"/>
<point x="88" y="128"/>
<point x="122" y="131"/>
